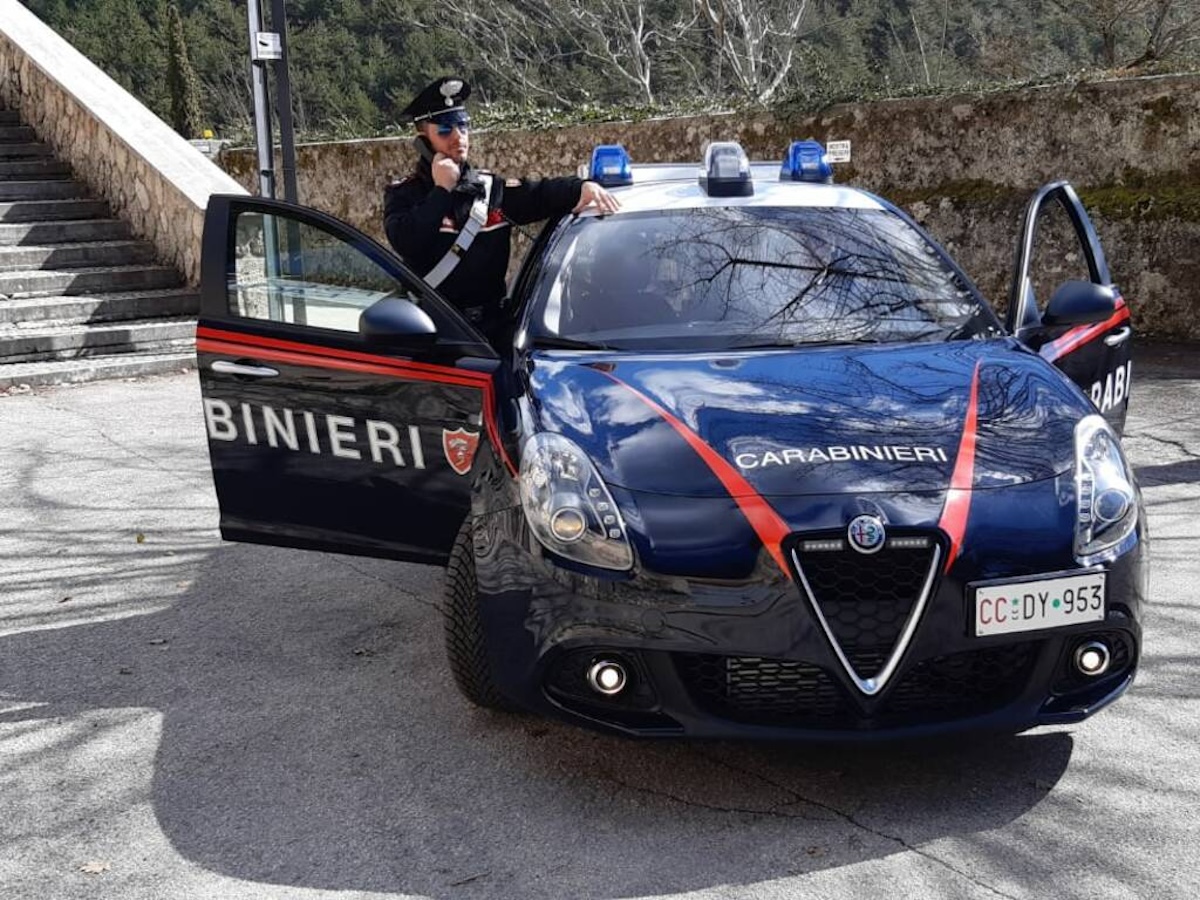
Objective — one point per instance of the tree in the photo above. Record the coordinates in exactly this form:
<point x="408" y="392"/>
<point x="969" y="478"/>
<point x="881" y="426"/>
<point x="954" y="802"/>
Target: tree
<point x="1171" y="27"/>
<point x="619" y="34"/>
<point x="182" y="84"/>
<point x="1109" y="20"/>
<point x="563" y="51"/>
<point x="519" y="48"/>
<point x="756" y="39"/>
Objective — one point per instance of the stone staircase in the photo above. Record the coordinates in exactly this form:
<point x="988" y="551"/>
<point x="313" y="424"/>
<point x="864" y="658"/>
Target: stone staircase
<point x="80" y="299"/>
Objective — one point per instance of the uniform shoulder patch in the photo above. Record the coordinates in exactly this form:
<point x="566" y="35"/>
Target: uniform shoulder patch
<point x="512" y="182"/>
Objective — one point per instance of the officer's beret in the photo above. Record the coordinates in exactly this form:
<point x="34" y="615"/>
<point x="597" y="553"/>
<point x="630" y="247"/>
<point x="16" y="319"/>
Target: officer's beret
<point x="444" y="95"/>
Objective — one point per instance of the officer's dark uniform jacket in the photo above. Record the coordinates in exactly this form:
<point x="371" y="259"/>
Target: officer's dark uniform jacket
<point x="423" y="220"/>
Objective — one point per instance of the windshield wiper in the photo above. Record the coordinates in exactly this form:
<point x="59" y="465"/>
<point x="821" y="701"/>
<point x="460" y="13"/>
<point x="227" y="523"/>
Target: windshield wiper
<point x="832" y="342"/>
<point x="556" y="342"/>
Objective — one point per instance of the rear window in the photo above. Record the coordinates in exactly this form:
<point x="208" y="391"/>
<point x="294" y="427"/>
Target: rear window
<point x="746" y="276"/>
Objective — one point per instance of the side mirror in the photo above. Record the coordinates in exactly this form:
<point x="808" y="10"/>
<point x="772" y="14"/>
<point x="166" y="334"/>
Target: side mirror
<point x="396" y="322"/>
<point x="1080" y="303"/>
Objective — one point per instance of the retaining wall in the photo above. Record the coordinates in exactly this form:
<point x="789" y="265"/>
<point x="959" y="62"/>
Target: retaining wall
<point x="963" y="165"/>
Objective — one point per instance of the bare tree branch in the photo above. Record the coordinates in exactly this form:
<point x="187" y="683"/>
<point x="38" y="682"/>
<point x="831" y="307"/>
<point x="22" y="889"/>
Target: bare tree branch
<point x="757" y="39"/>
<point x="522" y="44"/>
<point x="1172" y="26"/>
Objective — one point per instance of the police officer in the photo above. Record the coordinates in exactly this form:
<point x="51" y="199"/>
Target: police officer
<point x="452" y="223"/>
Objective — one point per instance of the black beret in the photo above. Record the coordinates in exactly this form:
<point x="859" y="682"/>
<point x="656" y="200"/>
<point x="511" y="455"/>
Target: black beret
<point x="444" y="95"/>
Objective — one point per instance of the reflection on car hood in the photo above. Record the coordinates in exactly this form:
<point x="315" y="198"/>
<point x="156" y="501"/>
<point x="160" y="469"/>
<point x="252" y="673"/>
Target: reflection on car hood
<point x="816" y="420"/>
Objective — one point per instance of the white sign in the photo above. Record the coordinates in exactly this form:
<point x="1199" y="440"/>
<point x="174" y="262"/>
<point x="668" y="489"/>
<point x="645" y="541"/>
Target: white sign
<point x="838" y="151"/>
<point x="267" y="45"/>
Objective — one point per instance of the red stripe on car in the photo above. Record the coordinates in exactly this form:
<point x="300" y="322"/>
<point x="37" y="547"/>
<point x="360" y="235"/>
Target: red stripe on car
<point x="767" y="524"/>
<point x="958" y="497"/>
<point x="213" y="340"/>
<point x="1084" y="334"/>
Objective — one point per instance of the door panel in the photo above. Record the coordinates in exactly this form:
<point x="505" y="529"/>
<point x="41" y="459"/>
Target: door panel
<point x="1096" y="356"/>
<point x="320" y="437"/>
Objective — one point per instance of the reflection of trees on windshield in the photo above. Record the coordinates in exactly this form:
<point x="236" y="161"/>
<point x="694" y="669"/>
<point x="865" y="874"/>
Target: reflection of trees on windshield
<point x="754" y="275"/>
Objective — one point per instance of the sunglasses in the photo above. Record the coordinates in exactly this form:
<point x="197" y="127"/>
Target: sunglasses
<point x="446" y="124"/>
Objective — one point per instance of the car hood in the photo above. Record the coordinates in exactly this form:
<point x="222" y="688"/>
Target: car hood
<point x="807" y="421"/>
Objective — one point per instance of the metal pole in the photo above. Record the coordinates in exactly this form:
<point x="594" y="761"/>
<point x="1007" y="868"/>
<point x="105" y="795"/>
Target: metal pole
<point x="283" y="103"/>
<point x="291" y="259"/>
<point x="262" y="106"/>
<point x="266" y="161"/>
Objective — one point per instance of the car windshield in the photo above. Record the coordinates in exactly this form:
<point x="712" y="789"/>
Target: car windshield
<point x="742" y="276"/>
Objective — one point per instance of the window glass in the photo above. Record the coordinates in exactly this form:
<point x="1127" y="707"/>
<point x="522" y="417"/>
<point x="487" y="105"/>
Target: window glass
<point x="290" y="271"/>
<point x="739" y="276"/>
<point x="1057" y="254"/>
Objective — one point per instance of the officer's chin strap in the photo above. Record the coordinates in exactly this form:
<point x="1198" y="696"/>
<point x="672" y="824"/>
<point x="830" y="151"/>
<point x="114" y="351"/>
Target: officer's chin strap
<point x="476" y="220"/>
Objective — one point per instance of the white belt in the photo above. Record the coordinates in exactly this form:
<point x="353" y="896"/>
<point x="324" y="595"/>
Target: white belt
<point x="476" y="220"/>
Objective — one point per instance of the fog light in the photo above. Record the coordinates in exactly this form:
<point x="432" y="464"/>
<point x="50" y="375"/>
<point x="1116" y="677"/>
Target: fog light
<point x="1092" y="658"/>
<point x="607" y="677"/>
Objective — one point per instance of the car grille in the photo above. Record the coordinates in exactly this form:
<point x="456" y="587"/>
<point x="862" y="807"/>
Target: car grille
<point x="962" y="684"/>
<point x="776" y="692"/>
<point x="757" y="690"/>
<point x="866" y="599"/>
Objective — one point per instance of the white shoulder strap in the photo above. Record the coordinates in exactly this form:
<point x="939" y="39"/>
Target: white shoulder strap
<point x="479" y="214"/>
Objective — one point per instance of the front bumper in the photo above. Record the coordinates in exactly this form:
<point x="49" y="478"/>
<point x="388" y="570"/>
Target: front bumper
<point x="748" y="659"/>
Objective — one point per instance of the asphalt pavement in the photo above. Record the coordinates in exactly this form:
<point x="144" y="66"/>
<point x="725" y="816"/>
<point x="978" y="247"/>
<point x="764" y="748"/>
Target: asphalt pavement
<point x="186" y="718"/>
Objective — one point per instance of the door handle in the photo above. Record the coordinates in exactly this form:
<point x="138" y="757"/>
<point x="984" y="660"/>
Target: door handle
<point x="231" y="368"/>
<point x="1115" y="340"/>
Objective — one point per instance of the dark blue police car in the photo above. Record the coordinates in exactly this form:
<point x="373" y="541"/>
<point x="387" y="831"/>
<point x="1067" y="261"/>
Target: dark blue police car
<point x="757" y="460"/>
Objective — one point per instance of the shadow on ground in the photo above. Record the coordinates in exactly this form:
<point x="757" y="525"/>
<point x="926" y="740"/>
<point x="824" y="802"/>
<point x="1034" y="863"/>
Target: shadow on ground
<point x="312" y="738"/>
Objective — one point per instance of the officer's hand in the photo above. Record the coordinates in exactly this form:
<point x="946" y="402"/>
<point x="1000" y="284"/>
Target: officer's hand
<point x="594" y="195"/>
<point x="445" y="171"/>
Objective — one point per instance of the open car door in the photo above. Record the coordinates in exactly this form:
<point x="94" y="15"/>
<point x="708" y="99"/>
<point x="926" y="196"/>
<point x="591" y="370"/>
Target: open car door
<point x="1081" y="325"/>
<point x="344" y="401"/>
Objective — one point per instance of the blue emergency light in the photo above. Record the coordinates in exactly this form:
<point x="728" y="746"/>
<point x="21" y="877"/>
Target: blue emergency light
<point x="726" y="171"/>
<point x="806" y="161"/>
<point x="611" y="166"/>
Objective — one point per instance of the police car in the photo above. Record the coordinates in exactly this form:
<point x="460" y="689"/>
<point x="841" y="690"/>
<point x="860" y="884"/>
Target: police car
<point x="756" y="460"/>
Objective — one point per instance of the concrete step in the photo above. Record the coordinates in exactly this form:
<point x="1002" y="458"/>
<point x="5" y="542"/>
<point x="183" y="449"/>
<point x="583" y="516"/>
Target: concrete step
<point x="19" y="345"/>
<point x="30" y="234"/>
<point x="103" y="279"/>
<point x="52" y="210"/>
<point x="42" y="312"/>
<point x="33" y="169"/>
<point x="24" y="151"/>
<point x="11" y="133"/>
<point x="9" y="117"/>
<point x="16" y="377"/>
<point x="42" y="189"/>
<point x="75" y="256"/>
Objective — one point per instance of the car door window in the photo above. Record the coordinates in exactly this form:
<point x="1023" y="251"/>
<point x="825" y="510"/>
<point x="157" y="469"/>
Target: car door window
<point x="1058" y="254"/>
<point x="294" y="272"/>
<point x="1059" y="244"/>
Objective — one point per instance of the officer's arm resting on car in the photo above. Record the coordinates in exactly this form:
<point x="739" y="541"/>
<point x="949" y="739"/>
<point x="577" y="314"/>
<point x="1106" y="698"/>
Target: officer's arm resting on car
<point x="531" y="200"/>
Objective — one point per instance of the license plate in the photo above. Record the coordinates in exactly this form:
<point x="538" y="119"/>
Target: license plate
<point x="1034" y="605"/>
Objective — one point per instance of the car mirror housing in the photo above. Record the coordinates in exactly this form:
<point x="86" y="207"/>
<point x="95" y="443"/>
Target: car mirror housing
<point x="396" y="322"/>
<point x="1080" y="303"/>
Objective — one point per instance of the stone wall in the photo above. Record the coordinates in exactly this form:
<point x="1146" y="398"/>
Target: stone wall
<point x="149" y="175"/>
<point x="963" y="165"/>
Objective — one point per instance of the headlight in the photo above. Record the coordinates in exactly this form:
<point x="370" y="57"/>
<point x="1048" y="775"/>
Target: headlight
<point x="568" y="507"/>
<point x="1106" y="501"/>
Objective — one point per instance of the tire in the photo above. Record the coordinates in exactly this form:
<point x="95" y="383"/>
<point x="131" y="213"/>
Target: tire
<point x="466" y="644"/>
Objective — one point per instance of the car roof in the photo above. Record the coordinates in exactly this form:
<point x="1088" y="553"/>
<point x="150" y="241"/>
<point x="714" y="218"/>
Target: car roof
<point x="667" y="186"/>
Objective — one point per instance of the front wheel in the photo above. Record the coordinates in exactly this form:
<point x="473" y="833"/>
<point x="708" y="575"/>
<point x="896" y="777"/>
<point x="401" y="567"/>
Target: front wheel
<point x="466" y="643"/>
